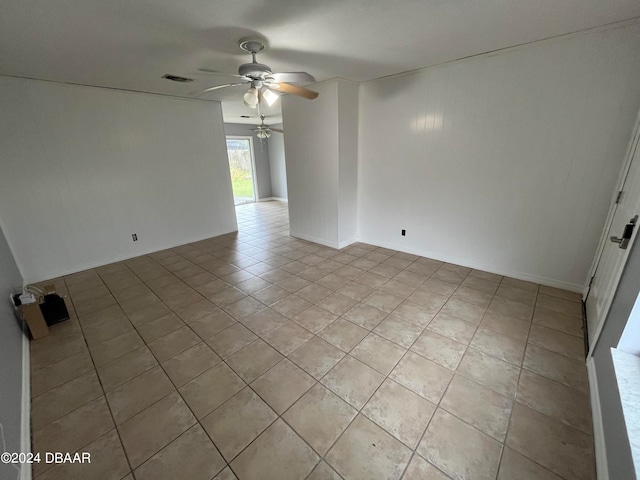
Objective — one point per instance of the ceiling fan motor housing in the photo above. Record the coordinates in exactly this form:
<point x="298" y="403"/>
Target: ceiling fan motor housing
<point x="254" y="70"/>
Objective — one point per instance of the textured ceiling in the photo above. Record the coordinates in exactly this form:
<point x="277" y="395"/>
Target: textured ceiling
<point x="130" y="44"/>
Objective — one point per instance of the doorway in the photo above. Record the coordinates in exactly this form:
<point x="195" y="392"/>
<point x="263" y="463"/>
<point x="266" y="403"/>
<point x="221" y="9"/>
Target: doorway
<point x="242" y="168"/>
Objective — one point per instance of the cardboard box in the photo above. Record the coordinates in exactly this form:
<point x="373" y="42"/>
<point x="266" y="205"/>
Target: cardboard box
<point x="32" y="315"/>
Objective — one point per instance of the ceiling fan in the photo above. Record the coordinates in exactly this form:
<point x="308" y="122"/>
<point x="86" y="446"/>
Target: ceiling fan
<point x="264" y="131"/>
<point x="263" y="82"/>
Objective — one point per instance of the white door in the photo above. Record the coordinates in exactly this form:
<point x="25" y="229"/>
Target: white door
<point x="614" y="248"/>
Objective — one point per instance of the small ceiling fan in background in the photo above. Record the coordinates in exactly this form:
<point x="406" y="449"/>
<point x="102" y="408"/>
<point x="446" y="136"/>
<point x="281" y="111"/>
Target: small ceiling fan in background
<point x="263" y="82"/>
<point x="264" y="131"/>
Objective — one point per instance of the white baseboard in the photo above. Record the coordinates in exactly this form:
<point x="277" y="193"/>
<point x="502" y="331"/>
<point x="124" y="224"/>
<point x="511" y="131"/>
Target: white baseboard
<point x="270" y="199"/>
<point x="602" y="469"/>
<point x="326" y="243"/>
<point x="319" y="241"/>
<point x="573" y="287"/>
<point x="118" y="258"/>
<point x="342" y="245"/>
<point x="25" y="420"/>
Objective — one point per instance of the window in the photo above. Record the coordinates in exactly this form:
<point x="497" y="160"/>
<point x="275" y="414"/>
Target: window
<point x="242" y="167"/>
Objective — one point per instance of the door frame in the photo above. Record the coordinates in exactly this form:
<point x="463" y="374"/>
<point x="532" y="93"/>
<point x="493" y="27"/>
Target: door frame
<point x="633" y="145"/>
<point x="254" y="175"/>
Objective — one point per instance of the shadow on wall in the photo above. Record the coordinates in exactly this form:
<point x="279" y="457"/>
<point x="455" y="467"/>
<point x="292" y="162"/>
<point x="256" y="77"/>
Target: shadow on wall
<point x="278" y="165"/>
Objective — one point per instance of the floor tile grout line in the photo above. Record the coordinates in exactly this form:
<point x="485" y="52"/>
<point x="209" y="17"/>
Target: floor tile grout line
<point x="225" y="402"/>
<point x="515" y="396"/>
<point x="444" y="392"/>
<point x="557" y="353"/>
<point x="75" y="409"/>
<point x="272" y="367"/>
<point x="158" y="400"/>
<point x="176" y="389"/>
<point x="104" y="395"/>
<point x="502" y="443"/>
<point x="278" y="416"/>
<point x="159" y="364"/>
<point x="372" y="331"/>
<point x="359" y="411"/>
<point x="516" y="401"/>
<point x="197" y="422"/>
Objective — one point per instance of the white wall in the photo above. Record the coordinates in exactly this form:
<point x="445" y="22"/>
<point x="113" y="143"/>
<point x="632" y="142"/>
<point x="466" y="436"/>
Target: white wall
<point x="321" y="146"/>
<point x="311" y="146"/>
<point x="348" y="162"/>
<point x="504" y="162"/>
<point x="83" y="168"/>
<point x="278" y="164"/>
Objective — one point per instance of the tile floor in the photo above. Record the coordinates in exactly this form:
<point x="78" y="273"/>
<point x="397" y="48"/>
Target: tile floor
<point x="255" y="355"/>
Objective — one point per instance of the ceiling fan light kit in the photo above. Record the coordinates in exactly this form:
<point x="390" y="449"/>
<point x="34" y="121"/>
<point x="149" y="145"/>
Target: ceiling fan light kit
<point x="270" y="97"/>
<point x="262" y="81"/>
<point x="251" y="98"/>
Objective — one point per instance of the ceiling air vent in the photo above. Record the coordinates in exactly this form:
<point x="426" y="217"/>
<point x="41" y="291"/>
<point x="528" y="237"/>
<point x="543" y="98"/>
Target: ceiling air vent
<point x="175" y="78"/>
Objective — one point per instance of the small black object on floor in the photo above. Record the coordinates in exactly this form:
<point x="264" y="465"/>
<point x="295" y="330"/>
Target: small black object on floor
<point x="54" y="309"/>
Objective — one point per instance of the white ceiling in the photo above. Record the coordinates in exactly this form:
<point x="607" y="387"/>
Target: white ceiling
<point x="130" y="44"/>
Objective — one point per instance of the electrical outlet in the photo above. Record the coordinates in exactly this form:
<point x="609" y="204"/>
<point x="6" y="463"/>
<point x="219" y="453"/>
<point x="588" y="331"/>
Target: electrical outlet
<point x="135" y="237"/>
<point x="404" y="233"/>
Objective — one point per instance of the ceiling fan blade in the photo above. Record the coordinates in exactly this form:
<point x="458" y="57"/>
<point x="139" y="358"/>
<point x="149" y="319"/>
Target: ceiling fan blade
<point x="287" y="88"/>
<point x="217" y="87"/>
<point x="292" y="77"/>
<point x="279" y="130"/>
